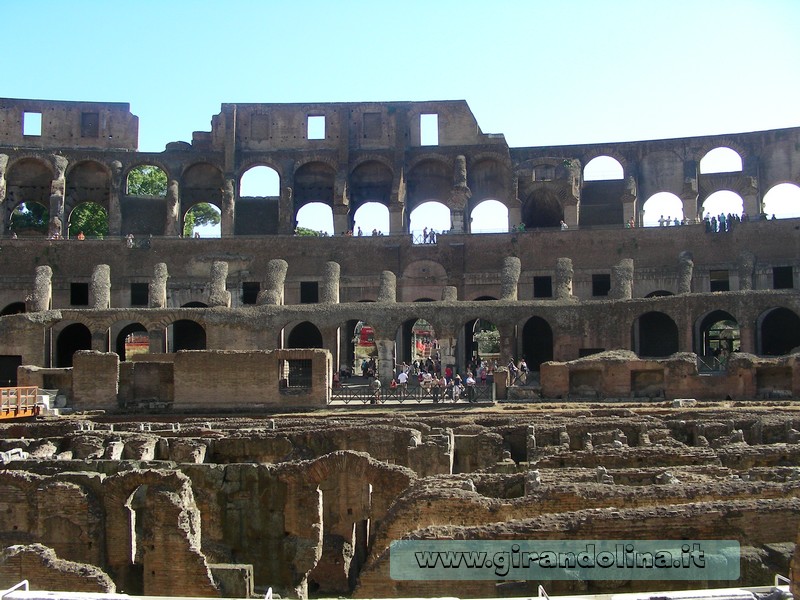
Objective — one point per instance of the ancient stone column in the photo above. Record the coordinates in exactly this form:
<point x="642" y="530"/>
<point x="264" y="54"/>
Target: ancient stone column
<point x="387" y="292"/>
<point x="173" y="217"/>
<point x="3" y="189"/>
<point x="218" y="295"/>
<point x="509" y="278"/>
<point x="42" y="289"/>
<point x="329" y="294"/>
<point x="685" y="270"/>
<point x="564" y="273"/>
<point x="340" y="219"/>
<point x="228" y="212"/>
<point x="286" y="212"/>
<point x="385" y="361"/>
<point x="747" y="266"/>
<point x="57" y="193"/>
<point x="273" y="287"/>
<point x="459" y="194"/>
<point x="622" y="280"/>
<point x="100" y="287"/>
<point x="449" y="293"/>
<point x="114" y="210"/>
<point x="158" y="286"/>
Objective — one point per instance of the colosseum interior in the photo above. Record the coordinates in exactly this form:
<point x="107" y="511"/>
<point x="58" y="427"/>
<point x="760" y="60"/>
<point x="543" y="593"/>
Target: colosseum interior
<point x="200" y="430"/>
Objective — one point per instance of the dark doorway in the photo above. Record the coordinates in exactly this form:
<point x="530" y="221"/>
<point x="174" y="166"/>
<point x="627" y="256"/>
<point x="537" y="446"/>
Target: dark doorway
<point x="780" y="332"/>
<point x="657" y="335"/>
<point x="537" y="342"/>
<point x="188" y="335"/>
<point x="305" y="335"/>
<point x="71" y="339"/>
<point x="8" y="370"/>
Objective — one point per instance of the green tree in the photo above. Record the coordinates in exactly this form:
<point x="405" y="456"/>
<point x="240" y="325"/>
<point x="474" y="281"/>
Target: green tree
<point x="305" y="231"/>
<point x="200" y="214"/>
<point x="89" y="218"/>
<point x="147" y="180"/>
<point x="30" y="216"/>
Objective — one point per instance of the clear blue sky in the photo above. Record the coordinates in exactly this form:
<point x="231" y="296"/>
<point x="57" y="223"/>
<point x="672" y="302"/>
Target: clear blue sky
<point x="539" y="71"/>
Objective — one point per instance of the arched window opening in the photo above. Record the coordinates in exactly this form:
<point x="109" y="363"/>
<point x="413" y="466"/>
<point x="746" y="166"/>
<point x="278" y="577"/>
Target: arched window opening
<point x="88" y="220"/>
<point x="718" y="335"/>
<point x="132" y="339"/>
<point x="659" y="294"/>
<point x="541" y="209"/>
<point x="147" y="181"/>
<point x="782" y="201"/>
<point x="371" y="218"/>
<point x="723" y="202"/>
<point x="15" y="308"/>
<point x="490" y="216"/>
<point x="779" y="333"/>
<point x="30" y="219"/>
<point x="305" y="335"/>
<point x="186" y="335"/>
<point x="418" y="341"/>
<point x="365" y="352"/>
<point x="721" y="160"/>
<point x="202" y="221"/>
<point x="537" y="342"/>
<point x="260" y="182"/>
<point x="482" y="340"/>
<point x="603" y="168"/>
<point x="433" y="216"/>
<point x="663" y="209"/>
<point x="71" y="339"/>
<point x="315" y="218"/>
<point x="655" y="335"/>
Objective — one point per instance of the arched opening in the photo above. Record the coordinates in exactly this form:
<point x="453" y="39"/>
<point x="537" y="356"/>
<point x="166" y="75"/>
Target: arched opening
<point x="260" y="182"/>
<point x="362" y="349"/>
<point x="315" y="218"/>
<point x="87" y="181"/>
<point x="542" y="209"/>
<point x="29" y="219"/>
<point x="659" y="294"/>
<point x="419" y="341"/>
<point x="132" y="339"/>
<point x="716" y="336"/>
<point x="489" y="216"/>
<point x="89" y="219"/>
<point x="71" y="339"/>
<point x="15" y="308"/>
<point x="146" y="181"/>
<point x="721" y="160"/>
<point x="433" y="216"/>
<point x="782" y="201"/>
<point x="779" y="332"/>
<point x="481" y="343"/>
<point x="186" y="334"/>
<point x="371" y="218"/>
<point x="603" y="168"/>
<point x="654" y="334"/>
<point x="202" y="221"/>
<point x="662" y="209"/>
<point x="537" y="342"/>
<point x="723" y="202"/>
<point x="304" y="335"/>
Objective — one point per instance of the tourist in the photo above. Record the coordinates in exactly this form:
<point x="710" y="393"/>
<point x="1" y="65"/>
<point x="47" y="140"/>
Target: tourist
<point x="402" y="379"/>
<point x="129" y="240"/>
<point x="81" y="236"/>
<point x="375" y="386"/>
<point x="425" y="236"/>
<point x="360" y="233"/>
<point x="564" y="226"/>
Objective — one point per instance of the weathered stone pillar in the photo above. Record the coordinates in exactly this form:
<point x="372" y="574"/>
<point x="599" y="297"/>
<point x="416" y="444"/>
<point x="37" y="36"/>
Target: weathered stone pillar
<point x="172" y="222"/>
<point x="747" y="338"/>
<point x="228" y="212"/>
<point x="396" y="219"/>
<point x="507" y="344"/>
<point x="158" y="286"/>
<point x="218" y="295"/>
<point x="158" y="341"/>
<point x="42" y="294"/>
<point x="286" y="211"/>
<point x="563" y="282"/>
<point x="747" y="266"/>
<point x="3" y="191"/>
<point x="114" y="210"/>
<point x="629" y="200"/>
<point x="387" y="292"/>
<point x="329" y="294"/>
<point x="100" y="287"/>
<point x="100" y="341"/>
<point x="622" y="280"/>
<point x="57" y="193"/>
<point x="459" y="194"/>
<point x="571" y="215"/>
<point x="386" y="361"/>
<point x="341" y="219"/>
<point x="685" y="270"/>
<point x="450" y="293"/>
<point x="273" y="287"/>
<point x="509" y="278"/>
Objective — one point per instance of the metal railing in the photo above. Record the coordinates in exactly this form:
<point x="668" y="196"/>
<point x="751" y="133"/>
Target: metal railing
<point x="420" y="394"/>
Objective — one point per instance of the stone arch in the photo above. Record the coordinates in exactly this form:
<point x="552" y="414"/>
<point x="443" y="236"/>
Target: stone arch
<point x="370" y="181"/>
<point x="417" y="340"/>
<point x="28" y="180"/>
<point x="89" y="213"/>
<point x="259" y="175"/>
<point x="488" y="178"/>
<point x="782" y="200"/>
<point x="314" y="181"/>
<point x="659" y="294"/>
<point x="150" y="168"/>
<point x="542" y="208"/>
<point x="423" y="279"/>
<point x="186" y="334"/>
<point x="304" y="335"/>
<point x="603" y="168"/>
<point x="70" y="340"/>
<point x="716" y="334"/>
<point x="485" y="213"/>
<point x="537" y="342"/>
<point x="654" y="335"/>
<point x="716" y="157"/>
<point x="128" y="343"/>
<point x="481" y="339"/>
<point x="15" y="308"/>
<point x="201" y="182"/>
<point x="662" y="205"/>
<point x="722" y="201"/>
<point x="428" y="179"/>
<point x="778" y="331"/>
<point x="87" y="181"/>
